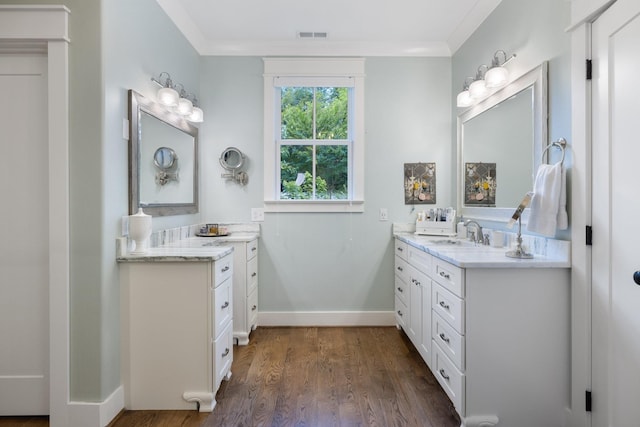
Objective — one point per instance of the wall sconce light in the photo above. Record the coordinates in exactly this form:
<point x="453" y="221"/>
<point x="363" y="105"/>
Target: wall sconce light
<point x="169" y="96"/>
<point x="497" y="76"/>
<point x="464" y="99"/>
<point x="486" y="80"/>
<point x="197" y="115"/>
<point x="478" y="88"/>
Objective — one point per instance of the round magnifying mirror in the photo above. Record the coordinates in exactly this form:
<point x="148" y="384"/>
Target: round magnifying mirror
<point x="231" y="158"/>
<point x="165" y="158"/>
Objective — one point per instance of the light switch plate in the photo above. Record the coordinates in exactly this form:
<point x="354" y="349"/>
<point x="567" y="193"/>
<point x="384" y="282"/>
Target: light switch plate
<point x="384" y="214"/>
<point x="257" y="214"/>
<point x="125" y="225"/>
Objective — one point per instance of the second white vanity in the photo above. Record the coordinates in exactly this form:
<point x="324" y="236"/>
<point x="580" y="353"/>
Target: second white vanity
<point x="176" y="325"/>
<point x="494" y="330"/>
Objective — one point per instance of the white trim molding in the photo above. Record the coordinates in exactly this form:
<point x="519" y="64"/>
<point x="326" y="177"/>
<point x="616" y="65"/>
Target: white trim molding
<point x="330" y="70"/>
<point x="326" y="318"/>
<point x="29" y="29"/>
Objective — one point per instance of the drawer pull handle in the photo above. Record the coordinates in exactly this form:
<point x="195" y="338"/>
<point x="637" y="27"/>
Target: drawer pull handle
<point x="444" y="374"/>
<point x="225" y="305"/>
<point x="400" y="269"/>
<point x="445" y="275"/>
<point x="444" y="338"/>
<point x="253" y="249"/>
<point x="400" y="313"/>
<point x="254" y="307"/>
<point x="400" y="289"/>
<point x="444" y="305"/>
<point x="254" y="274"/>
<point x="224" y="269"/>
<point x="400" y="249"/>
<point x="226" y="352"/>
<point x="416" y="282"/>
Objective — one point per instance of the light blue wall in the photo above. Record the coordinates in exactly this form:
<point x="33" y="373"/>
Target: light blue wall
<point x="317" y="262"/>
<point x="535" y="31"/>
<point x="139" y="41"/>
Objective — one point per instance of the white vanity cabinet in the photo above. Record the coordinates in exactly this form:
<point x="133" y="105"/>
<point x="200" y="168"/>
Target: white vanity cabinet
<point x="177" y="334"/>
<point x="245" y="289"/>
<point x="499" y="333"/>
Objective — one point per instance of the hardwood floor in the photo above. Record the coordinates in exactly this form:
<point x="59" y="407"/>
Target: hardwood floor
<point x="355" y="376"/>
<point x="320" y="377"/>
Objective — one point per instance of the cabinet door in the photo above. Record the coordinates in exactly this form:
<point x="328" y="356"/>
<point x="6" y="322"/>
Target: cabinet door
<point x="222" y="356"/>
<point x="414" y="331"/>
<point x="425" y="341"/>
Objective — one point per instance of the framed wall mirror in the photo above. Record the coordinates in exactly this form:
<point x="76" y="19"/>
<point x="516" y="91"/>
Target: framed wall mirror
<point x="500" y="145"/>
<point x="157" y="134"/>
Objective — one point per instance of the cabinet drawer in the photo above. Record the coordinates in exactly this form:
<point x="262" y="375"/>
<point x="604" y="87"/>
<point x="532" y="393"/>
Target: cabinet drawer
<point x="252" y="249"/>
<point x="449" y="307"/>
<point x="402" y="290"/>
<point x="401" y="249"/>
<point x="449" y="276"/>
<point x="449" y="340"/>
<point x="252" y="307"/>
<point x="222" y="356"/>
<point x="402" y="314"/>
<point x="222" y="307"/>
<point x="450" y="378"/>
<point x="402" y="269"/>
<point x="252" y="274"/>
<point x="223" y="269"/>
<point x="420" y="260"/>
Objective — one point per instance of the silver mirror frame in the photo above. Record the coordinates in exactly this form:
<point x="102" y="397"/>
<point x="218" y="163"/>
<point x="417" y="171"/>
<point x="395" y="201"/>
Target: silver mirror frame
<point x="536" y="78"/>
<point x="137" y="105"/>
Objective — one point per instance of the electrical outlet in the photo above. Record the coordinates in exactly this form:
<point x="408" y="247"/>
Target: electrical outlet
<point x="384" y="214"/>
<point x="257" y="214"/>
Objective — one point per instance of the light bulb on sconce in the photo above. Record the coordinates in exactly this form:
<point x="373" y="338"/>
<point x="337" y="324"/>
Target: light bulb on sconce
<point x="197" y="115"/>
<point x="498" y="76"/>
<point x="478" y="89"/>
<point x="464" y="98"/>
<point x="167" y="95"/>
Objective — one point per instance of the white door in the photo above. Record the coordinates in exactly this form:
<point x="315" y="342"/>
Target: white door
<point x="616" y="217"/>
<point x="24" y="245"/>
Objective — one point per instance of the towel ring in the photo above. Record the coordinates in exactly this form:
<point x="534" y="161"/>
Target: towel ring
<point x="560" y="143"/>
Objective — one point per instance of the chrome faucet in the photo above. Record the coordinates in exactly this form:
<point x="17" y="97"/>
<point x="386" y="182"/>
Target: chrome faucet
<point x="478" y="237"/>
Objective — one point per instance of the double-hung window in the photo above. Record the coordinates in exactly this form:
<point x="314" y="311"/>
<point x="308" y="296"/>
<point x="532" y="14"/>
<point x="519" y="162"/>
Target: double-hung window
<point x="314" y="137"/>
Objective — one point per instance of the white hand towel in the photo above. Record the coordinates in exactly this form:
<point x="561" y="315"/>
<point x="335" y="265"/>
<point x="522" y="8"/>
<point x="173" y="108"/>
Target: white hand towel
<point x="545" y="203"/>
<point x="563" y="218"/>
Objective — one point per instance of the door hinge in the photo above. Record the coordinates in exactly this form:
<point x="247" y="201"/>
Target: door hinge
<point x="588" y="235"/>
<point x="589" y="69"/>
<point x="587" y="401"/>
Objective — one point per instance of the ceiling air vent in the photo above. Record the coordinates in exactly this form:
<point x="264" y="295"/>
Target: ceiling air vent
<point x="312" y="35"/>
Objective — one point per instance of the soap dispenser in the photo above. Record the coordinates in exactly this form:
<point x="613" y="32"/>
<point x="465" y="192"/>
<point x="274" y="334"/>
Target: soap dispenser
<point x="461" y="229"/>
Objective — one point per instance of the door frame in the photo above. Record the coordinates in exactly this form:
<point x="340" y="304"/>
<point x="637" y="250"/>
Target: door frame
<point x="44" y="29"/>
<point x="583" y="15"/>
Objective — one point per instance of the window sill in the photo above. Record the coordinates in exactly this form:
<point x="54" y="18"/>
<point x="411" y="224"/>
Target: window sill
<point x="305" y="206"/>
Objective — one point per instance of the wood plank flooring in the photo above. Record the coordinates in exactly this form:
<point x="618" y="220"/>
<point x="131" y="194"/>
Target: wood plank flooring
<point x="357" y="376"/>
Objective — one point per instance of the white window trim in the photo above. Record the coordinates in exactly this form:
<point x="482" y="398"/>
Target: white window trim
<point x="320" y="68"/>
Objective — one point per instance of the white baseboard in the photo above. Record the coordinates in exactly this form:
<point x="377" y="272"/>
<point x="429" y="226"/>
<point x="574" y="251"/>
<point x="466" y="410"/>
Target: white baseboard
<point x="326" y="318"/>
<point x="98" y="414"/>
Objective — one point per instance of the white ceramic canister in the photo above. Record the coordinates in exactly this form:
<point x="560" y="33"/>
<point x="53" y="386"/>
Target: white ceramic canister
<point x="140" y="231"/>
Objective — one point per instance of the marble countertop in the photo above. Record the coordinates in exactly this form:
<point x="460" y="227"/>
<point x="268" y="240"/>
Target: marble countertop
<point x="466" y="254"/>
<point x="176" y="254"/>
